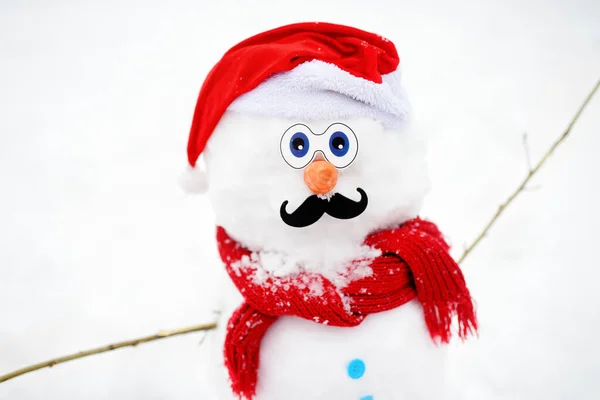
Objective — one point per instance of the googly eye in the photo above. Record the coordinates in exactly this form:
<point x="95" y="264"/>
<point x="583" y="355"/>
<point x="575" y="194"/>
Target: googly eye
<point x="295" y="146"/>
<point x="343" y="145"/>
<point x="339" y="144"/>
<point x="299" y="144"/>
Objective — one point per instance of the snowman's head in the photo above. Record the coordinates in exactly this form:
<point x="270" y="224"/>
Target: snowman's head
<point x="312" y="160"/>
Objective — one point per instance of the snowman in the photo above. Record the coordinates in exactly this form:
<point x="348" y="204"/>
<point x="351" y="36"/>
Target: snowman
<point x="335" y="288"/>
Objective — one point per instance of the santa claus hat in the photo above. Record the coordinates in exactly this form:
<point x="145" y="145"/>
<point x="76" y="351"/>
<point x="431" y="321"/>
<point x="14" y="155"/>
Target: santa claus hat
<point x="305" y="71"/>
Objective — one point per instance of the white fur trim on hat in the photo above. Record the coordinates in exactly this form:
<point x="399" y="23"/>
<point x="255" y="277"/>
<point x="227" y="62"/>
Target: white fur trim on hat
<point x="317" y="90"/>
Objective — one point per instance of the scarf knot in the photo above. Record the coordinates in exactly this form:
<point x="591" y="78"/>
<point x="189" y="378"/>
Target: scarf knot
<point x="414" y="262"/>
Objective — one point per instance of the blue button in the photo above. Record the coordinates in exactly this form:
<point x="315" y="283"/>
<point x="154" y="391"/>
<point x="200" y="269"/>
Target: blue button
<point x="356" y="369"/>
<point x="367" y="398"/>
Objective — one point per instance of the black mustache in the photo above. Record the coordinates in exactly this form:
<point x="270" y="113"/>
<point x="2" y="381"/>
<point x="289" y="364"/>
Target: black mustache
<point x="313" y="208"/>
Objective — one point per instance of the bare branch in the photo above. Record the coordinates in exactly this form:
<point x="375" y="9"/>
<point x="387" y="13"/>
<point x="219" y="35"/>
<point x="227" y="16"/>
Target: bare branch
<point x="531" y="173"/>
<point x="110" y="347"/>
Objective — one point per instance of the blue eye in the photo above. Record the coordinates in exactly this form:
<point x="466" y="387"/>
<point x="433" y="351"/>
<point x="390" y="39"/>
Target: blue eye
<point x="299" y="144"/>
<point x="339" y="144"/>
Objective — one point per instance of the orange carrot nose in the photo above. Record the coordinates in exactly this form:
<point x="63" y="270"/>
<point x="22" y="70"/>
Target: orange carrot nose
<point x="320" y="176"/>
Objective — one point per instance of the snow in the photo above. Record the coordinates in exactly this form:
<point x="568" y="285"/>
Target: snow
<point x="264" y="265"/>
<point x="100" y="245"/>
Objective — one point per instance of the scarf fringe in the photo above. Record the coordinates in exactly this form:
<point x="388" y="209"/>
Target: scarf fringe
<point x="439" y="316"/>
<point x="246" y="328"/>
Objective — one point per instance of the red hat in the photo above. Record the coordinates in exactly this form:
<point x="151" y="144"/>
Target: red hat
<point x="325" y="58"/>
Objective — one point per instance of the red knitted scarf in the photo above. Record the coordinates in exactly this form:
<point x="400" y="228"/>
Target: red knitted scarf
<point x="414" y="263"/>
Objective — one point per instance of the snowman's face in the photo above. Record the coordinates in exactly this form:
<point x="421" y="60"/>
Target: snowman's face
<point x="312" y="190"/>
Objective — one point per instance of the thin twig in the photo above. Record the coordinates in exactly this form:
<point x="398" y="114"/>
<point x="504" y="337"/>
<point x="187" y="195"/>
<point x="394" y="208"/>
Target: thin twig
<point x="211" y="326"/>
<point x="531" y="173"/>
<point x="110" y="347"/>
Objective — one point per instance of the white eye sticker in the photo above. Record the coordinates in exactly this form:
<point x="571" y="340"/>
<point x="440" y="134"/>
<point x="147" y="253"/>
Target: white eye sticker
<point x="338" y="144"/>
<point x="295" y="146"/>
<point x="342" y="145"/>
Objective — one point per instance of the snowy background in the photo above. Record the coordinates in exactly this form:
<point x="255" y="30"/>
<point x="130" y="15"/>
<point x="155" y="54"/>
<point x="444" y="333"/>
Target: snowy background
<point x="98" y="244"/>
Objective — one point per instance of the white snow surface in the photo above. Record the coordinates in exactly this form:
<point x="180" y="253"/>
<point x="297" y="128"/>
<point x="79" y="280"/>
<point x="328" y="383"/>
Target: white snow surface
<point x="100" y="245"/>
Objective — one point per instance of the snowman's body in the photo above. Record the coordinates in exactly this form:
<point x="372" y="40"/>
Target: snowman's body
<point x="307" y="156"/>
<point x="311" y="361"/>
<point x="302" y="360"/>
